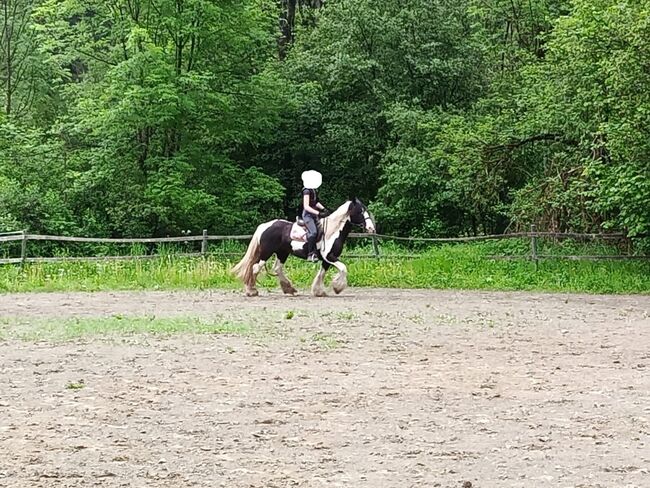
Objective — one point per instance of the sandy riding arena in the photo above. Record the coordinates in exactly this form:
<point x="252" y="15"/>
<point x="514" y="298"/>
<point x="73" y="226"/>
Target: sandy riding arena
<point x="375" y="388"/>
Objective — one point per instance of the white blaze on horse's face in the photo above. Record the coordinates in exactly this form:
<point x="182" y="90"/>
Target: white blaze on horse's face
<point x="370" y="225"/>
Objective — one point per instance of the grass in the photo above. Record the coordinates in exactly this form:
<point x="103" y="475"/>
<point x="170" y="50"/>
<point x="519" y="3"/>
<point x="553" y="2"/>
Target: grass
<point x="458" y="266"/>
<point x="323" y="340"/>
<point x="69" y="329"/>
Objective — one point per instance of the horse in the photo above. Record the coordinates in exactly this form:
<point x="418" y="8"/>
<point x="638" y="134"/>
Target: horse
<point x="279" y="237"/>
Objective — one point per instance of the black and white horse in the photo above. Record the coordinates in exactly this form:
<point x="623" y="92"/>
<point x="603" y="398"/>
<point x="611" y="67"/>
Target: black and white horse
<point x="278" y="237"/>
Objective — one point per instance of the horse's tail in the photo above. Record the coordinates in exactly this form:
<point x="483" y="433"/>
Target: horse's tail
<point x="244" y="268"/>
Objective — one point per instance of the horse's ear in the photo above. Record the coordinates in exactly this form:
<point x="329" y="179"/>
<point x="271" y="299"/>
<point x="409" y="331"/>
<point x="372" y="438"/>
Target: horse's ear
<point x="353" y="199"/>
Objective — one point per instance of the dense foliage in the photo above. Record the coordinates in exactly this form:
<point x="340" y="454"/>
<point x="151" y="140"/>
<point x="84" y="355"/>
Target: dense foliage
<point x="152" y="117"/>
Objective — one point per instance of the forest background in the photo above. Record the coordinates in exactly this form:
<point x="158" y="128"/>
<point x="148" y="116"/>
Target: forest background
<point x="464" y="117"/>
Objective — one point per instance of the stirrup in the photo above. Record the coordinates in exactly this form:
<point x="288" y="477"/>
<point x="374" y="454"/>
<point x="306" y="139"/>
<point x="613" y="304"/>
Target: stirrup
<point x="312" y="258"/>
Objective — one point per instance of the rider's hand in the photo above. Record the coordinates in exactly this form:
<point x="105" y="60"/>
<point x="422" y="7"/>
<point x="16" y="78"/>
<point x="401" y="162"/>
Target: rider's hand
<point x="324" y="213"/>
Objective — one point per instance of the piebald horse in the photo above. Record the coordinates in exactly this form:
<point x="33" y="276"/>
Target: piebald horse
<point x="275" y="237"/>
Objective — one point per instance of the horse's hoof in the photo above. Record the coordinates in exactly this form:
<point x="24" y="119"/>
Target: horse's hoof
<point x="253" y="293"/>
<point x="290" y="291"/>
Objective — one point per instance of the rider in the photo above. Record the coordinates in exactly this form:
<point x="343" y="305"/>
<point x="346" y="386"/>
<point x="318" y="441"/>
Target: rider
<point x="312" y="210"/>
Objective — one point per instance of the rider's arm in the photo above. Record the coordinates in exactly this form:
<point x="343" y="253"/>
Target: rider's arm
<point x="306" y="206"/>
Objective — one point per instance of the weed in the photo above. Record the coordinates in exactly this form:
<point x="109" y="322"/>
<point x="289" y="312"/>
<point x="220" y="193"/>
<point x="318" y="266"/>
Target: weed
<point x="346" y="316"/>
<point x="325" y="341"/>
<point x="75" y="386"/>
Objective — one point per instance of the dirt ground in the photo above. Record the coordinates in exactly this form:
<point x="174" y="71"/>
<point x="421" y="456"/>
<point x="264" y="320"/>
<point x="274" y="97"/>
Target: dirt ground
<point x="375" y="388"/>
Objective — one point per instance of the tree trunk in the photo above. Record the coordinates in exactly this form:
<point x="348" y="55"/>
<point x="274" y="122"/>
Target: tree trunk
<point x="7" y="28"/>
<point x="287" y="22"/>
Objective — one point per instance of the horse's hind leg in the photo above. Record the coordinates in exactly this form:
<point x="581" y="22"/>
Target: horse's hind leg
<point x="278" y="269"/>
<point x="251" y="290"/>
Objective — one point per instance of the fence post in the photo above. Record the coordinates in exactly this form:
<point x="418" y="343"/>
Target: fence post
<point x="23" y="249"/>
<point x="204" y="243"/>
<point x="533" y="246"/>
<point x="375" y="246"/>
<point x="630" y="251"/>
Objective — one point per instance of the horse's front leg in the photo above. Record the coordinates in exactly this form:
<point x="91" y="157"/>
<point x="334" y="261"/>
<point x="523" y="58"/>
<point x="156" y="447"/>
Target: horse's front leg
<point x="317" y="287"/>
<point x="285" y="284"/>
<point x="340" y="281"/>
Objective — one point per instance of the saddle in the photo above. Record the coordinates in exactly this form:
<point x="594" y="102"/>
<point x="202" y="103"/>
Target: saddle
<point x="299" y="231"/>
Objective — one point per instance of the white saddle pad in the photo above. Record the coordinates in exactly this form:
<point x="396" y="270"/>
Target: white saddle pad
<point x="298" y="233"/>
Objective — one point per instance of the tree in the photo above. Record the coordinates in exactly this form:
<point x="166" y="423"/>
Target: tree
<point x="158" y="101"/>
<point x="345" y="74"/>
<point x="19" y="62"/>
<point x="588" y="90"/>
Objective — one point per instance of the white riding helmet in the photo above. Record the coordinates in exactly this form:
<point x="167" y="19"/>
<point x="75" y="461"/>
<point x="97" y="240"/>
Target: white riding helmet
<point x="312" y="179"/>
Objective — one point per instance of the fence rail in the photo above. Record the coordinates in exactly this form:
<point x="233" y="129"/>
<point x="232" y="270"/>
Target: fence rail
<point x="205" y="238"/>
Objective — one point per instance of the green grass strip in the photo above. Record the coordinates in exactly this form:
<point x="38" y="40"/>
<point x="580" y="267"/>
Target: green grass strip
<point x="446" y="267"/>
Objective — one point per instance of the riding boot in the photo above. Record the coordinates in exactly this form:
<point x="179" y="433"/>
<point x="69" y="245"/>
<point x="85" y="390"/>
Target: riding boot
<point x="311" y="249"/>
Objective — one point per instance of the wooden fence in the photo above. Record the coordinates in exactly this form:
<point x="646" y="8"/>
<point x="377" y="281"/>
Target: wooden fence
<point x="205" y="238"/>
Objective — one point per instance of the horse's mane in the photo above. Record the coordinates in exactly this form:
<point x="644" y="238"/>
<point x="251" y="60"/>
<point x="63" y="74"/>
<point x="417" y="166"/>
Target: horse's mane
<point x="335" y="222"/>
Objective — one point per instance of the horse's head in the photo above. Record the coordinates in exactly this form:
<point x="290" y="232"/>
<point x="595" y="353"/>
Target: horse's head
<point x="359" y="215"/>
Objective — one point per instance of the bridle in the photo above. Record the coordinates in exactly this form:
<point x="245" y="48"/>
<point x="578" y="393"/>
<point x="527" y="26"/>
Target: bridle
<point x="367" y="219"/>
